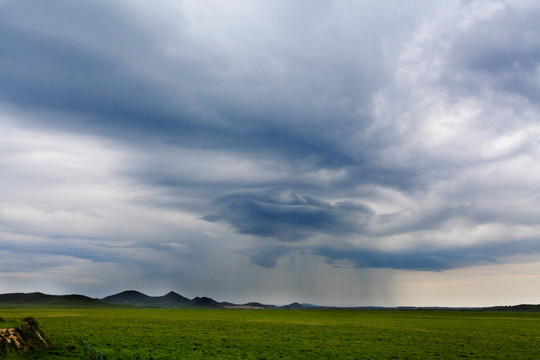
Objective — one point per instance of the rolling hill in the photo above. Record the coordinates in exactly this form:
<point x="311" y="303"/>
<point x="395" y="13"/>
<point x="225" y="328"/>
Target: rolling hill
<point x="38" y="299"/>
<point x="133" y="298"/>
<point x="125" y="298"/>
<point x="173" y="300"/>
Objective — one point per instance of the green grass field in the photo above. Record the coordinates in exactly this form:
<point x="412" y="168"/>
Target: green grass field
<point x="284" y="334"/>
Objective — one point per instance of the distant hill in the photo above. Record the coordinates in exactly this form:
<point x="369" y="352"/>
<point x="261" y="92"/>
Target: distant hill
<point x="129" y="297"/>
<point x="38" y="299"/>
<point x="170" y="300"/>
<point x="173" y="300"/>
<point x="206" y="302"/>
<point x="294" y="305"/>
<point x="521" y="308"/>
<point x="125" y="298"/>
<point x="257" y="305"/>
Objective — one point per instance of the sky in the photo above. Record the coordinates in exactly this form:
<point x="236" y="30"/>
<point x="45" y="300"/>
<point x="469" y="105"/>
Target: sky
<point x="334" y="152"/>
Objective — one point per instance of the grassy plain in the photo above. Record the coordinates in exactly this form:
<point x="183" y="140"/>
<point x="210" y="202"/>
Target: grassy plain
<point x="123" y="333"/>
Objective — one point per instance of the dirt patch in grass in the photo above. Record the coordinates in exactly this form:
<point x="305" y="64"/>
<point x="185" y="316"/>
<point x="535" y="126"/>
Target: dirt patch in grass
<point x="23" y="338"/>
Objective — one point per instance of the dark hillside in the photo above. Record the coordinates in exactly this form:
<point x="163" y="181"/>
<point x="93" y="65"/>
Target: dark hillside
<point x="257" y="305"/>
<point x="38" y="299"/>
<point x="522" y="307"/>
<point x="128" y="297"/>
<point x="173" y="297"/>
<point x="206" y="302"/>
<point x="170" y="300"/>
<point x="294" y="305"/>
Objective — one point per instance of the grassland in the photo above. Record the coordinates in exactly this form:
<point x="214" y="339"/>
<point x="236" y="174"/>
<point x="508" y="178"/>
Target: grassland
<point x="285" y="334"/>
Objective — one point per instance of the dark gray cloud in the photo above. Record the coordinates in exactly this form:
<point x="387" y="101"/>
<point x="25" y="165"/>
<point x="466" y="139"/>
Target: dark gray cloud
<point x="46" y="72"/>
<point x="44" y="67"/>
<point x="266" y="255"/>
<point x="288" y="216"/>
<point x="425" y="259"/>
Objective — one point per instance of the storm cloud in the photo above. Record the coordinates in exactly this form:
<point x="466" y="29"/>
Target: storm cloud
<point x="210" y="147"/>
<point x="289" y="217"/>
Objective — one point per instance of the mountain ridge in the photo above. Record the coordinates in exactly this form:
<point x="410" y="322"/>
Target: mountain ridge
<point x="38" y="299"/>
<point x="134" y="298"/>
<point x="173" y="300"/>
<point x="130" y="298"/>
